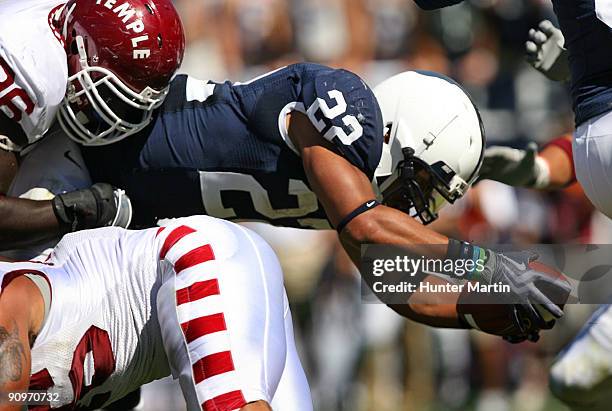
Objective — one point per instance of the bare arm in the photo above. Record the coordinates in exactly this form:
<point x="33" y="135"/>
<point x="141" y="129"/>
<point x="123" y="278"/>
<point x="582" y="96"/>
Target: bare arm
<point x="560" y="162"/>
<point x="24" y="222"/>
<point x="341" y="188"/>
<point x="21" y="221"/>
<point x="19" y="324"/>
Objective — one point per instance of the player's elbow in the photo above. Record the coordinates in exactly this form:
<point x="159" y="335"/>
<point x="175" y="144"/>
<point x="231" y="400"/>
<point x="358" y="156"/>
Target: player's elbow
<point x="435" y="4"/>
<point x="362" y="229"/>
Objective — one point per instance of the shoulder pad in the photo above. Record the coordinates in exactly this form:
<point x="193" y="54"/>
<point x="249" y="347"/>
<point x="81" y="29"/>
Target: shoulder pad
<point x="344" y="109"/>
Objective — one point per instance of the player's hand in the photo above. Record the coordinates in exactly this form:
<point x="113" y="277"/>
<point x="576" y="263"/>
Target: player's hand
<point x="515" y="167"/>
<point x="535" y="309"/>
<point x="545" y="52"/>
<point x="98" y="206"/>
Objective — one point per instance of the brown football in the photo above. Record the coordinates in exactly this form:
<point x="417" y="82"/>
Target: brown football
<point x="487" y="312"/>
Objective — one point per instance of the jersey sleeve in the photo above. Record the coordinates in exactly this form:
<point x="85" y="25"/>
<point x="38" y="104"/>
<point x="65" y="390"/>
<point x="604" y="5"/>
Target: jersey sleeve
<point x="33" y="71"/>
<point x="346" y="113"/>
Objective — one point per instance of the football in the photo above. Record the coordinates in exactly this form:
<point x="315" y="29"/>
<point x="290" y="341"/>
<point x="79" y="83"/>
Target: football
<point x="488" y="313"/>
<point x="485" y="312"/>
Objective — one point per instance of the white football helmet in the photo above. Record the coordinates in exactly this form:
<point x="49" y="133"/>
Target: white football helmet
<point x="434" y="143"/>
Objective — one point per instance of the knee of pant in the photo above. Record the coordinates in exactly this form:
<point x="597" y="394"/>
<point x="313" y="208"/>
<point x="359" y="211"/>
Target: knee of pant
<point x="566" y="385"/>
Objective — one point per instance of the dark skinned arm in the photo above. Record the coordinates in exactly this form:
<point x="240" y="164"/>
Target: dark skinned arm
<point x="341" y="188"/>
<point x="19" y="325"/>
<point x="22" y="221"/>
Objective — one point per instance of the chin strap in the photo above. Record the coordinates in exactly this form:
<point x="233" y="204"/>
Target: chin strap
<point x="368" y="205"/>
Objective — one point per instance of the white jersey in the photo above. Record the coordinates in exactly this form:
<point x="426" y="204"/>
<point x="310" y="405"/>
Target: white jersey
<point x="33" y="68"/>
<point x="201" y="299"/>
<point x="102" y="323"/>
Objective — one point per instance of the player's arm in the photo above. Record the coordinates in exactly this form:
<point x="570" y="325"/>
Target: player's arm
<point x="21" y="221"/>
<point x="341" y="187"/>
<point x="24" y="222"/>
<point x="21" y="316"/>
<point x="550" y="168"/>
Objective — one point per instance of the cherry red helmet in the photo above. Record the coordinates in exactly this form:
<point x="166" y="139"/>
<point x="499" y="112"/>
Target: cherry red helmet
<point x="121" y="57"/>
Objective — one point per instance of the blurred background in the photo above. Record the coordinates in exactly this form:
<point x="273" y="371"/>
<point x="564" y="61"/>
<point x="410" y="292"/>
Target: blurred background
<point x="363" y="356"/>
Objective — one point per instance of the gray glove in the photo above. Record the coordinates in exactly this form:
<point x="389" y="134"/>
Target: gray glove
<point x="545" y="52"/>
<point x="515" y="167"/>
<point x="512" y="268"/>
<point x="98" y="206"/>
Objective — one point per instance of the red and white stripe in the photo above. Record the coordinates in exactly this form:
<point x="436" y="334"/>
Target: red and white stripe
<point x="199" y="311"/>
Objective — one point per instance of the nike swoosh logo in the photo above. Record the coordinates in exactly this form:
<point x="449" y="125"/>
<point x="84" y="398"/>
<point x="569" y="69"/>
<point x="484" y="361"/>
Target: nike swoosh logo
<point x="370" y="204"/>
<point x="72" y="160"/>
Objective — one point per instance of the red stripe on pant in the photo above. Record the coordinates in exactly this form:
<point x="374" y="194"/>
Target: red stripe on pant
<point x="202" y="326"/>
<point x="197" y="291"/>
<point x="173" y="238"/>
<point x="196" y="256"/>
<point x="225" y="402"/>
<point x="211" y="365"/>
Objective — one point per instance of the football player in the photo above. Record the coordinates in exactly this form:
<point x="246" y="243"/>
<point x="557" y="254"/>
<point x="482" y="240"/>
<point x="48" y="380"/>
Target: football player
<point x="309" y="146"/>
<point x="581" y="376"/>
<point x="101" y="50"/>
<point x="111" y="309"/>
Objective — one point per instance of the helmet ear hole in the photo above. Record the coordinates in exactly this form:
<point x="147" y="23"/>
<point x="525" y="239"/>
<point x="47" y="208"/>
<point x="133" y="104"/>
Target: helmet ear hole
<point x="73" y="47"/>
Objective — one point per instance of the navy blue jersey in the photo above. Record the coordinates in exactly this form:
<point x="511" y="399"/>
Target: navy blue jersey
<point x="588" y="37"/>
<point x="223" y="149"/>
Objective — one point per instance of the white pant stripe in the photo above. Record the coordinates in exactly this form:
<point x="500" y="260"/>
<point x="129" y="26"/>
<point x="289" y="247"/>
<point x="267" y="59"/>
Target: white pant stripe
<point x="197" y="273"/>
<point x="185" y="245"/>
<point x="199" y="308"/>
<point x="209" y="344"/>
<point x="217" y="385"/>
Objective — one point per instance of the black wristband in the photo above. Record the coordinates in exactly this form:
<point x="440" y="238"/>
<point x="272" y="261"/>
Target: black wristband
<point x="458" y="249"/>
<point x="367" y="206"/>
<point x="462" y="250"/>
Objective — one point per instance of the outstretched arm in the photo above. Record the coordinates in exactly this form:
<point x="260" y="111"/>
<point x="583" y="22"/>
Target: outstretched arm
<point x="341" y="187"/>
<point x="19" y="324"/>
<point x="22" y="221"/>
